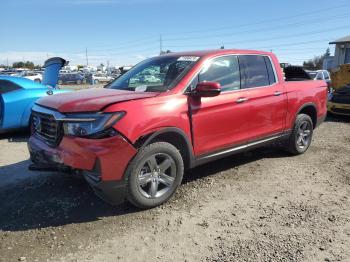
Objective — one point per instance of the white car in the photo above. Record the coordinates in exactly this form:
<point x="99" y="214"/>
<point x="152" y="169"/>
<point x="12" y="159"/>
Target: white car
<point x="101" y="78"/>
<point x="36" y="77"/>
<point x="320" y="75"/>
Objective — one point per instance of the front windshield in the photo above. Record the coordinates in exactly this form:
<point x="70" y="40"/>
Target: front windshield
<point x="157" y="74"/>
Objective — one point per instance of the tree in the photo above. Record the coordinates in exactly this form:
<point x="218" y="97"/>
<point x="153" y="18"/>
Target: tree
<point x="28" y="64"/>
<point x="317" y="62"/>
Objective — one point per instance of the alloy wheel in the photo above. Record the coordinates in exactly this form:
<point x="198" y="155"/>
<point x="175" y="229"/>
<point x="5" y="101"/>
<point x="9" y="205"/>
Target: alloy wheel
<point x="304" y="135"/>
<point x="157" y="175"/>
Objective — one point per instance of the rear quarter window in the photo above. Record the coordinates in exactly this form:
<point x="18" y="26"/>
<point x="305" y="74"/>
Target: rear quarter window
<point x="8" y="86"/>
<point x="270" y="71"/>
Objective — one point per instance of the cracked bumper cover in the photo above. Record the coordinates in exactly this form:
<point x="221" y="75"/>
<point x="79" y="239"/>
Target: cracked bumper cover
<point x="103" y="161"/>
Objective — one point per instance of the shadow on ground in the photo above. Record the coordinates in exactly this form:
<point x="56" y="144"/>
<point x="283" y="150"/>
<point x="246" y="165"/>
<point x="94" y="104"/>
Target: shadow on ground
<point x="57" y="199"/>
<point x="337" y="118"/>
<point x="18" y="136"/>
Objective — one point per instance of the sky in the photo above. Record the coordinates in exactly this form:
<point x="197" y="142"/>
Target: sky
<point x="117" y="32"/>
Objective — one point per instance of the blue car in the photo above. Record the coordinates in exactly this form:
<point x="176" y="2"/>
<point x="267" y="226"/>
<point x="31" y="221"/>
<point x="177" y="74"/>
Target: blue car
<point x="18" y="95"/>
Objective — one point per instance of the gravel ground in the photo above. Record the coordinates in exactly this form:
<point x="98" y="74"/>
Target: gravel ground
<point x="258" y="206"/>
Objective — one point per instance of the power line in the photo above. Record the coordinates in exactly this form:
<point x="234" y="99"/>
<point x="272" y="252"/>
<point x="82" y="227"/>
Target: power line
<point x="308" y="33"/>
<point x="264" y="21"/>
<point x="299" y="23"/>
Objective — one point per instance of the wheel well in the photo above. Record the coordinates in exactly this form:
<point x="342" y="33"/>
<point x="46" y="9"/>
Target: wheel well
<point x="311" y="112"/>
<point x="173" y="138"/>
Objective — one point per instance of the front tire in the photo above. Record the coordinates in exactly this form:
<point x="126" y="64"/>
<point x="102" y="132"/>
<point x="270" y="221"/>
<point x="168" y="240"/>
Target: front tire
<point x="301" y="136"/>
<point x="154" y="175"/>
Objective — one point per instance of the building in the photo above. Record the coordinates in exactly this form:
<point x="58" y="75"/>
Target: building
<point x="328" y="63"/>
<point x="342" y="51"/>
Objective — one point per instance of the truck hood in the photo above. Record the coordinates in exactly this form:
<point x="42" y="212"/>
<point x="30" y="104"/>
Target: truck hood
<point x="90" y="100"/>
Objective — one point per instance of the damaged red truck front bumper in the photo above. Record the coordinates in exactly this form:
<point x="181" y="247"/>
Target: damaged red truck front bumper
<point x="103" y="161"/>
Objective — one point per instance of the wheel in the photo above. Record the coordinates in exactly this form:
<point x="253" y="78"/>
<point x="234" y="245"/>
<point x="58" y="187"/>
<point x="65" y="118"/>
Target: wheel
<point x="154" y="175"/>
<point x="60" y="82"/>
<point x="78" y="82"/>
<point x="301" y="136"/>
<point x="84" y="81"/>
<point x="96" y="81"/>
<point x="37" y="80"/>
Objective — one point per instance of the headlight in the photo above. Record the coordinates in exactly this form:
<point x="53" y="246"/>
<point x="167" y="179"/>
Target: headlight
<point x="98" y="125"/>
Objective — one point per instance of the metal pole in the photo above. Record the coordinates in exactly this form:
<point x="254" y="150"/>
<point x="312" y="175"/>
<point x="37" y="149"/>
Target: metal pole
<point x="87" y="60"/>
<point x="160" y="44"/>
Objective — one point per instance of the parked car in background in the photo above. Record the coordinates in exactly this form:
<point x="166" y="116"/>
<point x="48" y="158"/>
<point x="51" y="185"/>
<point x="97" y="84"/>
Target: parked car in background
<point x="101" y="78"/>
<point x="71" y="78"/>
<point x="133" y="140"/>
<point x="320" y="75"/>
<point x="35" y="76"/>
<point x="17" y="96"/>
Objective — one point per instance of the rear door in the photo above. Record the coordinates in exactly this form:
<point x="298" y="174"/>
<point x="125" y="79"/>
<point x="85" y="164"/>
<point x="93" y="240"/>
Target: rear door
<point x="267" y="97"/>
<point x="219" y="122"/>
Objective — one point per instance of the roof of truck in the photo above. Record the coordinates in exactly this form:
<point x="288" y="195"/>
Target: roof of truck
<point x="218" y="52"/>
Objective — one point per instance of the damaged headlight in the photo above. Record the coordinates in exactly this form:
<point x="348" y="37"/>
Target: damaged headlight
<point x="95" y="125"/>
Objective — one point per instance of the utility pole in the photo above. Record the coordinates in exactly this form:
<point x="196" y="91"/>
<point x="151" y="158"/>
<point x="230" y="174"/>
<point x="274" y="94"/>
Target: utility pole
<point x="160" y="44"/>
<point x="86" y="55"/>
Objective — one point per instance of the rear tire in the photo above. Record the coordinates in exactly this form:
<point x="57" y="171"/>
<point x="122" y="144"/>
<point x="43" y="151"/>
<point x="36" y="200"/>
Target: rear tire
<point x="301" y="137"/>
<point x="154" y="175"/>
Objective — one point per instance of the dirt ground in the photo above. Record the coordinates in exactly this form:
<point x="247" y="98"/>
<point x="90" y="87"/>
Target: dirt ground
<point x="258" y="206"/>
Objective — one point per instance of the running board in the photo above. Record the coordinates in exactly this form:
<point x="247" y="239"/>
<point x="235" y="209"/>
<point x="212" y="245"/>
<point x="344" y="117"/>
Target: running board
<point x="238" y="149"/>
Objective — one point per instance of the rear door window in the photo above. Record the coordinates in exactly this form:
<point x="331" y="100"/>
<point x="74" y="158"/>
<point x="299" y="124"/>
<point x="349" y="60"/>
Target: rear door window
<point x="254" y="71"/>
<point x="224" y="70"/>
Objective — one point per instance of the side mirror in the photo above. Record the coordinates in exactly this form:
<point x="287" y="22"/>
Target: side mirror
<point x="207" y="89"/>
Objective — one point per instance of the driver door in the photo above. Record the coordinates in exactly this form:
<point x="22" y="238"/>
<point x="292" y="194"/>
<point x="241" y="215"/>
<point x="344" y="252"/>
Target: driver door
<point x="220" y="122"/>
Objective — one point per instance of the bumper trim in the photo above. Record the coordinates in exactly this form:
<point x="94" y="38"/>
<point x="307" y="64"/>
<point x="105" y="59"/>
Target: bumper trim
<point x="113" y="192"/>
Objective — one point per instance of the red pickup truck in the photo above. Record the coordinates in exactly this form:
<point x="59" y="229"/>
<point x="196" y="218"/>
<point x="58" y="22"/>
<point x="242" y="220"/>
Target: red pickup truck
<point x="134" y="138"/>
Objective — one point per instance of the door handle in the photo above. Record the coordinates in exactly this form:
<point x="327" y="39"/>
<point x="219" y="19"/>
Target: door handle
<point x="278" y="93"/>
<point x="241" y="100"/>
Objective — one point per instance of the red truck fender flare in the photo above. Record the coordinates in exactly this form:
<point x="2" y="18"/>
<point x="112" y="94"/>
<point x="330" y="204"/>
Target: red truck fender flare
<point x="171" y="135"/>
<point x="310" y="109"/>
